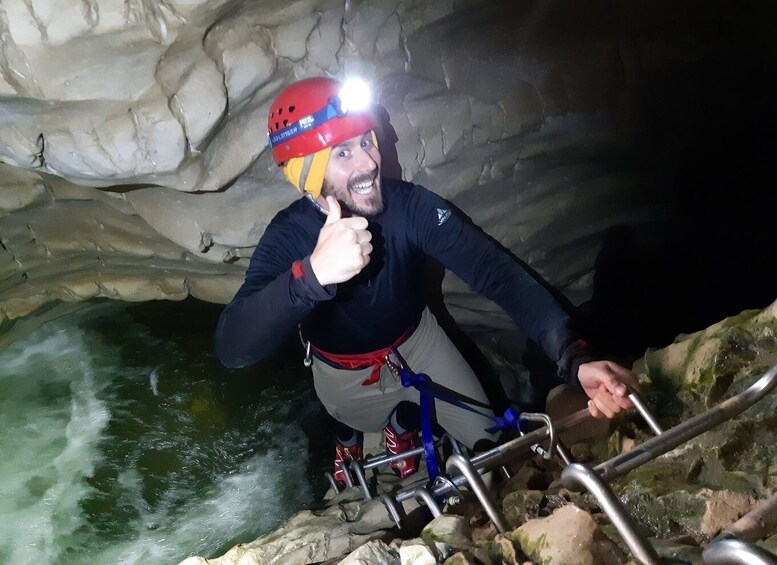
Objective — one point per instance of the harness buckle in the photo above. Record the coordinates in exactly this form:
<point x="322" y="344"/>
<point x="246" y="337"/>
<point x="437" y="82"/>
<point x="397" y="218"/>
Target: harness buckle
<point x="397" y="364"/>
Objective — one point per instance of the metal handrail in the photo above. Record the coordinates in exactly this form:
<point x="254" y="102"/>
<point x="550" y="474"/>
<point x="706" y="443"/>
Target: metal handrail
<point x="758" y="523"/>
<point x="384" y="459"/>
<point x="595" y="479"/>
<point x="332" y="482"/>
<point x="731" y="551"/>
<point x="668" y="440"/>
<point x="497" y="456"/>
<point x="346" y="475"/>
<point x="546" y="454"/>
<point x="362" y="479"/>
<point x="359" y="468"/>
<point x="464" y="466"/>
<point x="580" y="477"/>
<point x="641" y="407"/>
<point x="392" y="508"/>
<point x="564" y="454"/>
<point x="422" y="494"/>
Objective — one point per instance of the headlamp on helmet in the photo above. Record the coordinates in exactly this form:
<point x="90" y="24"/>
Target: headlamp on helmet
<point x="354" y="96"/>
<point x="331" y="113"/>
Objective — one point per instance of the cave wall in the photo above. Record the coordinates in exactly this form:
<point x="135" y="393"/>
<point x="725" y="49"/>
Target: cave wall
<point x="601" y="142"/>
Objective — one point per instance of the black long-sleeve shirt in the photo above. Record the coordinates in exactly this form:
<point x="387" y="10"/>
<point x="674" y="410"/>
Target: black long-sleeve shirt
<point x="374" y="308"/>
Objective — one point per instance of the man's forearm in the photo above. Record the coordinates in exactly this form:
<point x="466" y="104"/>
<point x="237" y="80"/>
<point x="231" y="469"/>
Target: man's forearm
<point x="252" y="327"/>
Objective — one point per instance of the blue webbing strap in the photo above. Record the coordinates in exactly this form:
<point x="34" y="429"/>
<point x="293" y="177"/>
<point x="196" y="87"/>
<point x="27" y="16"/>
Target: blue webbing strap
<point x="306" y="123"/>
<point x="429" y="391"/>
<point x="510" y="421"/>
<point x="427" y="437"/>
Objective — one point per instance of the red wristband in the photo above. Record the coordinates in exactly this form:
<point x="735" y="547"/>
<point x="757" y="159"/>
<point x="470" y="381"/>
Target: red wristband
<point x="296" y="270"/>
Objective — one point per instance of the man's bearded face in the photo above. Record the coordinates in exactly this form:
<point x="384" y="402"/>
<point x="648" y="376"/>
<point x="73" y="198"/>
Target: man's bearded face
<point x="353" y="176"/>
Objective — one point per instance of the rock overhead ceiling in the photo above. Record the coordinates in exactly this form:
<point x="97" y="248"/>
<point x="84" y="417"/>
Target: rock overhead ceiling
<point x="133" y="149"/>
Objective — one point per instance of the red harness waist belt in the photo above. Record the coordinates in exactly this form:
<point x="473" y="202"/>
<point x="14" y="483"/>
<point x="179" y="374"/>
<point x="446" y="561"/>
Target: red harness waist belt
<point x="375" y="359"/>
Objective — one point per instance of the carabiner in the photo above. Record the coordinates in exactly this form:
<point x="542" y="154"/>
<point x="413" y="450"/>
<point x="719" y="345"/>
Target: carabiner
<point x="400" y="361"/>
<point x="308" y="360"/>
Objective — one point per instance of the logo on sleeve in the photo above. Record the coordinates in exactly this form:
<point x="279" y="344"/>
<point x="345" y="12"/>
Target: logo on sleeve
<point x="442" y="215"/>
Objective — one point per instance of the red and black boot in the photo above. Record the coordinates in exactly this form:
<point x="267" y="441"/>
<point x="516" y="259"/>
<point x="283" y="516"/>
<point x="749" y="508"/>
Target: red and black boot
<point x="395" y="444"/>
<point x="346" y="454"/>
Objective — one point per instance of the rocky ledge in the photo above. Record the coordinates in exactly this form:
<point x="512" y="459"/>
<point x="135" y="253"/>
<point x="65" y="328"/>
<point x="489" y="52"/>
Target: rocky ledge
<point x="679" y="501"/>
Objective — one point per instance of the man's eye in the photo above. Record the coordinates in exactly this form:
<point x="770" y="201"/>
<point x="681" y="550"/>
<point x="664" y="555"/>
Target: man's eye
<point x="342" y="154"/>
<point x="366" y="143"/>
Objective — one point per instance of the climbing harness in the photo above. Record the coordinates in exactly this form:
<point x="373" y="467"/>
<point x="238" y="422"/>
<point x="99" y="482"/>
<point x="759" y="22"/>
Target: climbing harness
<point x="374" y="359"/>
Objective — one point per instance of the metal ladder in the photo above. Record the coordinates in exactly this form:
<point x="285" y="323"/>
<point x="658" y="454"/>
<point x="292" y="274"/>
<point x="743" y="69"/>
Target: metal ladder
<point x="575" y="476"/>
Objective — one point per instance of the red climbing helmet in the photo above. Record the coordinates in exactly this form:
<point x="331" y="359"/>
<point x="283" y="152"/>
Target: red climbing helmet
<point x="316" y="113"/>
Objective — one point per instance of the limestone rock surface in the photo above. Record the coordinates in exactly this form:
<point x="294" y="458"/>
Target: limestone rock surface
<point x="312" y="537"/>
<point x="570" y="537"/>
<point x="703" y="486"/>
<point x="373" y="553"/>
<point x="158" y="110"/>
<point x="417" y="552"/>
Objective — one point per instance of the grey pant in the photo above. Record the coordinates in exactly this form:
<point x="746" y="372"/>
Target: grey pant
<point x="428" y="350"/>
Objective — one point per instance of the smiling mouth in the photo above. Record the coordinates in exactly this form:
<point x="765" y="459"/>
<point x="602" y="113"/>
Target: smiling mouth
<point x="363" y="187"/>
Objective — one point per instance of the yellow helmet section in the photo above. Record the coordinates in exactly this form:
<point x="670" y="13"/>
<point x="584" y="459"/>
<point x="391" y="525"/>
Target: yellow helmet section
<point x="307" y="173"/>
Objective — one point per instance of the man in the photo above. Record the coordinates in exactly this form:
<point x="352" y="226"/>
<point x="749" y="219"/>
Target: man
<point x="346" y="262"/>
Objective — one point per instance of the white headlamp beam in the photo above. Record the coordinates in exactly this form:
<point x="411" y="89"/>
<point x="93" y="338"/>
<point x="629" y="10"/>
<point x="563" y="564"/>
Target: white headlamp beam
<point x="355" y="96"/>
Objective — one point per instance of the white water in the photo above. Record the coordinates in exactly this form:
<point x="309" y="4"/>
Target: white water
<point x="51" y="421"/>
<point x="110" y="461"/>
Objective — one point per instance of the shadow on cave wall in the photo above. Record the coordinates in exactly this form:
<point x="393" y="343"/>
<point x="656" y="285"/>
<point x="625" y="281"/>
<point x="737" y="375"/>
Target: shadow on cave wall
<point x="703" y="125"/>
<point x="708" y="132"/>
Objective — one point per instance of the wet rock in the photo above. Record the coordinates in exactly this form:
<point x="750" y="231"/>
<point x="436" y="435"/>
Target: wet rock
<point x="461" y="558"/>
<point x="569" y="537"/>
<point x="520" y="506"/>
<point x="417" y="552"/>
<point x="702" y="486"/>
<point x="666" y="506"/>
<point x="311" y="537"/>
<point x="447" y="534"/>
<point x="723" y="508"/>
<point x="580" y="452"/>
<point x="703" y="366"/>
<point x="504" y="551"/>
<point x="374" y="553"/>
<point x="679" y="550"/>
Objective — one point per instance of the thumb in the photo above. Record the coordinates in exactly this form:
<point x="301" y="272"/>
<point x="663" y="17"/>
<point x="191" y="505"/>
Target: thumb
<point x="335" y="213"/>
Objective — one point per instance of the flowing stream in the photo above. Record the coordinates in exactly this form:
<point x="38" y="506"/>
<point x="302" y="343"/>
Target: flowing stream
<point x="124" y="440"/>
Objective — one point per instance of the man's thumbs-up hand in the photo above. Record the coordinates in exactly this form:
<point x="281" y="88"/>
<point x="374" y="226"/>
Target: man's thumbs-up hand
<point x="343" y="248"/>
